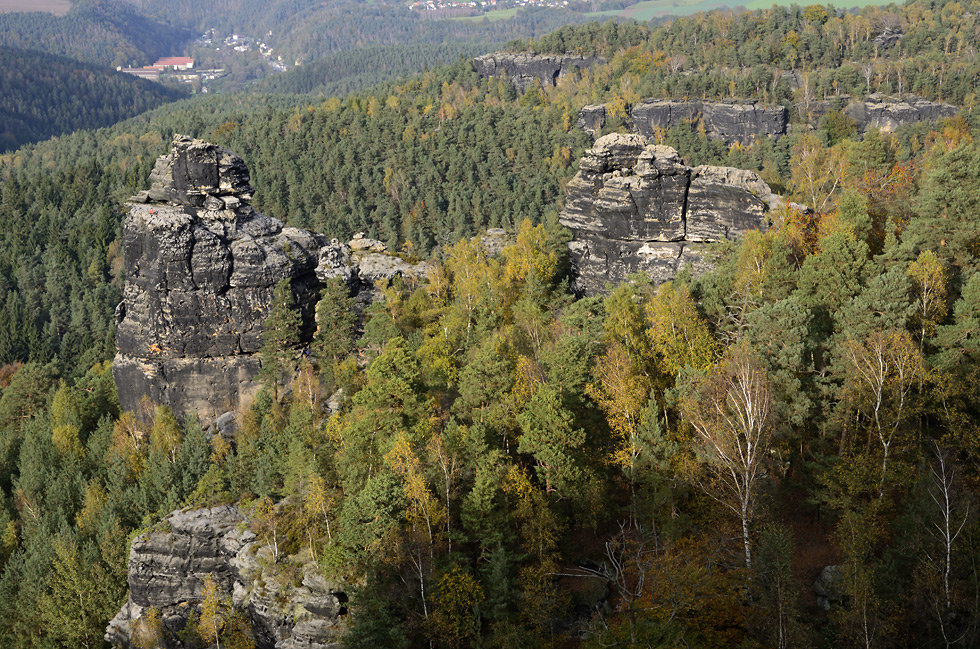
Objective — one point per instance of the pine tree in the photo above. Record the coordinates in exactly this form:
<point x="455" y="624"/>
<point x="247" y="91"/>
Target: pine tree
<point x="549" y="435"/>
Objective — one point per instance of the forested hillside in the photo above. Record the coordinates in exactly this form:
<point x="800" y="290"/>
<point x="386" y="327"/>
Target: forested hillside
<point x="359" y="69"/>
<point x="307" y="30"/>
<point x="103" y="32"/>
<point x="822" y="53"/>
<point x="509" y="465"/>
<point x="43" y="95"/>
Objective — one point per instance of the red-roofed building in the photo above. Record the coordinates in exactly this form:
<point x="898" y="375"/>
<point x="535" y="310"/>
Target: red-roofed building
<point x="176" y="62"/>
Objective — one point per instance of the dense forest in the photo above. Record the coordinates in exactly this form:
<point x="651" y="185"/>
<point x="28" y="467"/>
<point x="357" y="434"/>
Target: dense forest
<point x="509" y="464"/>
<point x="341" y="74"/>
<point x="822" y="52"/>
<point x="43" y="95"/>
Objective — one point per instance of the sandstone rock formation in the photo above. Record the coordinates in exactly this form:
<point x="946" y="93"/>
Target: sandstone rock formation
<point x="748" y="120"/>
<point x="888" y="113"/>
<point x="883" y="112"/>
<point x="201" y="266"/>
<point x="169" y="563"/>
<point x="592" y="118"/>
<point x="888" y="37"/>
<point x="526" y="69"/>
<point x="732" y="122"/>
<point x="635" y="207"/>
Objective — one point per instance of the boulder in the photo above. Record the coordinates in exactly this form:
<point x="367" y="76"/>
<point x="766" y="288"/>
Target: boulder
<point x="636" y="207"/>
<point x="828" y="587"/>
<point x="591" y="119"/>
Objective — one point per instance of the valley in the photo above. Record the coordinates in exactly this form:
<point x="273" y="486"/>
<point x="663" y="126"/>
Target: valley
<point x="471" y="333"/>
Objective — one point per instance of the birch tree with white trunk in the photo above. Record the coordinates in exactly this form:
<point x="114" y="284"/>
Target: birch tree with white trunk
<point x="730" y="409"/>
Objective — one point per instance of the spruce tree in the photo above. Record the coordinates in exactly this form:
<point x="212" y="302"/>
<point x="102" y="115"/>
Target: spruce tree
<point x="280" y="336"/>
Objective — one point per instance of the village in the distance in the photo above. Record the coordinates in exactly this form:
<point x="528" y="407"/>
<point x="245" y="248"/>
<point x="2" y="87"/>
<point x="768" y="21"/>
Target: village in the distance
<point x="181" y="69"/>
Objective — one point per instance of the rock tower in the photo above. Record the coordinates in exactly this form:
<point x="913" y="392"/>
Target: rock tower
<point x="201" y="266"/>
<point x="636" y="207"/>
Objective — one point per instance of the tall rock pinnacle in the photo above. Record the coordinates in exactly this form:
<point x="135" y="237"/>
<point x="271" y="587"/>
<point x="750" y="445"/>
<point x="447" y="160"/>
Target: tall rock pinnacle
<point x="201" y="266"/>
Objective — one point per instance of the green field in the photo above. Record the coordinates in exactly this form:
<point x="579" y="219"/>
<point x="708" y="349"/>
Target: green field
<point x="56" y="7"/>
<point x="496" y="14"/>
<point x="643" y="11"/>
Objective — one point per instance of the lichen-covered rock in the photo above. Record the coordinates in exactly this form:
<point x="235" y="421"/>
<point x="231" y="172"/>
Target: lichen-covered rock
<point x="169" y="563"/>
<point x="636" y="207"/>
<point x="201" y="267"/>
<point x="527" y="69"/>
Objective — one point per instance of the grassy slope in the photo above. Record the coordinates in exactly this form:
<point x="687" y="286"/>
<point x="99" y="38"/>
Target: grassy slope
<point x="496" y="14"/>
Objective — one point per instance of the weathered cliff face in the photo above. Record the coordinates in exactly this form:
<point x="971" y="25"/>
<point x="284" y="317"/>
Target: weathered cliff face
<point x="883" y="112"/>
<point x="526" y="69"/>
<point x="741" y="122"/>
<point x="635" y="207"/>
<point x="747" y="121"/>
<point x="201" y="266"/>
<point x="168" y="566"/>
<point x="888" y="113"/>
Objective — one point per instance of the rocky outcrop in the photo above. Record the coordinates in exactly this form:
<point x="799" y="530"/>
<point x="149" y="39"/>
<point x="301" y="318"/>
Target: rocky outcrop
<point x="883" y="112"/>
<point x="741" y="122"/>
<point x="201" y="266"/>
<point x="168" y="566"/>
<point x="887" y="38"/>
<point x="745" y="121"/>
<point x="591" y="119"/>
<point x="888" y="113"/>
<point x="636" y="207"/>
<point x="527" y="69"/>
